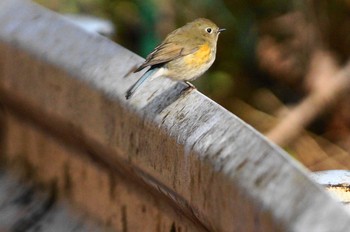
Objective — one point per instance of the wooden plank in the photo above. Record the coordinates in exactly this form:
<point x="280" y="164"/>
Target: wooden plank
<point x="23" y="207"/>
<point x="166" y="160"/>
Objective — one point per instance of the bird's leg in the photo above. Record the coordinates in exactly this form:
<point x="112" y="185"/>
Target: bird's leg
<point x="190" y="85"/>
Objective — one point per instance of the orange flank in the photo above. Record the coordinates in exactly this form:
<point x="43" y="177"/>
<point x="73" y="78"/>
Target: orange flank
<point x="200" y="57"/>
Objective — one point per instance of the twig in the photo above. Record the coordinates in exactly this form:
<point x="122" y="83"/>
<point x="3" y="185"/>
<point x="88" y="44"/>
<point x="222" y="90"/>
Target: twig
<point x="324" y="94"/>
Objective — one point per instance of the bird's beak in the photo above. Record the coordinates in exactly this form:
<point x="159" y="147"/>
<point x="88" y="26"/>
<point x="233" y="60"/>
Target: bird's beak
<point x="221" y="30"/>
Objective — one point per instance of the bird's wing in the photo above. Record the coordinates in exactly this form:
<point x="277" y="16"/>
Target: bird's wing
<point x="165" y="52"/>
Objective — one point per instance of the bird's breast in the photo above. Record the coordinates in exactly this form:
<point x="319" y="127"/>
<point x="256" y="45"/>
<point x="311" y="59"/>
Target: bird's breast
<point x="191" y="66"/>
<point x="201" y="57"/>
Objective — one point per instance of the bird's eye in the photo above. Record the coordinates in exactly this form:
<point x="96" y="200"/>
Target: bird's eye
<point x="209" y="30"/>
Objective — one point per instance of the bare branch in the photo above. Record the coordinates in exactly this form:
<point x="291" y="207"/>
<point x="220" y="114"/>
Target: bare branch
<point x="332" y="83"/>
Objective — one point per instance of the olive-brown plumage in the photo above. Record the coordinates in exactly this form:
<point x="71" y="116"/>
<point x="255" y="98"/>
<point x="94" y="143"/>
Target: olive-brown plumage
<point x="184" y="55"/>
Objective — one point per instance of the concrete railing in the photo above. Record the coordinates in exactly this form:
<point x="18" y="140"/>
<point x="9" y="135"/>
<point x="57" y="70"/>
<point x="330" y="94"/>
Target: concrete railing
<point x="166" y="160"/>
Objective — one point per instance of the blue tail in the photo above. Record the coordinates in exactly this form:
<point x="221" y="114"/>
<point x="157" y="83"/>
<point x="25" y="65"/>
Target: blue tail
<point x="137" y="84"/>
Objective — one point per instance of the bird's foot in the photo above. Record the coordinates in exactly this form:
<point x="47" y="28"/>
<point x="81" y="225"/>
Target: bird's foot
<point x="190" y="86"/>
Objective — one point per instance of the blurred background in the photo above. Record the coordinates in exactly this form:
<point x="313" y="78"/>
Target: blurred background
<point x="281" y="66"/>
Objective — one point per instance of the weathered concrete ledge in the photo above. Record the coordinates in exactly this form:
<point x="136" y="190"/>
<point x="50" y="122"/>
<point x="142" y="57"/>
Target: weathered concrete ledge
<point x="167" y="160"/>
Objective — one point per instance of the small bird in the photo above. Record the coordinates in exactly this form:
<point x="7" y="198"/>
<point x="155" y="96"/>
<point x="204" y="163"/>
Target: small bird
<point x="184" y="55"/>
